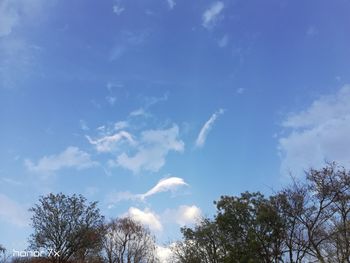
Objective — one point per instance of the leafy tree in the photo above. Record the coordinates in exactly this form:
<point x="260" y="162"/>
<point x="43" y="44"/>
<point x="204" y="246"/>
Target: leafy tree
<point x="202" y="244"/>
<point x="248" y="228"/>
<point x="251" y="228"/>
<point x="67" y="225"/>
<point x="127" y="241"/>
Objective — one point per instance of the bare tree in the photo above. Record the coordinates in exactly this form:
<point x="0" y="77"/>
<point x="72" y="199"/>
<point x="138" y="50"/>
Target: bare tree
<point x="3" y="257"/>
<point x="318" y="213"/>
<point x="127" y="241"/>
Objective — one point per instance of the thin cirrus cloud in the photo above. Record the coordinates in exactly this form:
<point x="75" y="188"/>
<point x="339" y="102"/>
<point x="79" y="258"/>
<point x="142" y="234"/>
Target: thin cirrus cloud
<point x="151" y="150"/>
<point x="203" y="134"/>
<point x="211" y="15"/>
<point x="317" y="134"/>
<point x="72" y="157"/>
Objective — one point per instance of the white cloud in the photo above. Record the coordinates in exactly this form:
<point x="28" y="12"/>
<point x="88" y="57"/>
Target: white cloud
<point x="72" y="157"/>
<point x="12" y="212"/>
<point x="184" y="214"/>
<point x="146" y="217"/>
<point x="164" y="253"/>
<point x="152" y="149"/>
<point x="223" y="42"/>
<point x="118" y="9"/>
<point x="109" y="143"/>
<point x="202" y="136"/>
<point x="164" y="185"/>
<point x="210" y="16"/>
<point x="318" y="134"/>
<point x="171" y="3"/>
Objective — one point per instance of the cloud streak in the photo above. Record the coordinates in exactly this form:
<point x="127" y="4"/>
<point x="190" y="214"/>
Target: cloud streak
<point x="164" y="185"/>
<point x="203" y="134"/>
<point x="170" y="184"/>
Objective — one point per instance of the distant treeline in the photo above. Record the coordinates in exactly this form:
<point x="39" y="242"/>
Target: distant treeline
<point x="307" y="221"/>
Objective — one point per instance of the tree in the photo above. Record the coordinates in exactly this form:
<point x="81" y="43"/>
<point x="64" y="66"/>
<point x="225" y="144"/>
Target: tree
<point x="318" y="214"/>
<point x="251" y="227"/>
<point x="66" y="225"/>
<point x="247" y="229"/>
<point x="127" y="241"/>
<point x="201" y="244"/>
<point x="3" y="257"/>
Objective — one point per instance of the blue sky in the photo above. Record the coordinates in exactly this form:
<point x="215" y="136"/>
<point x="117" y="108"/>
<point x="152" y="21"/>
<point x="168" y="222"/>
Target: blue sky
<point x="156" y="108"/>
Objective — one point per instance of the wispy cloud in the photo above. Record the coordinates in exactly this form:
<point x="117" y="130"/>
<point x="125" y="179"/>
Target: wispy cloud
<point x="145" y="217"/>
<point x="152" y="149"/>
<point x="83" y="125"/>
<point x="120" y="125"/>
<point x="210" y="16"/>
<point x="12" y="212"/>
<point x="171" y="3"/>
<point x="111" y="100"/>
<point x="148" y="103"/>
<point x="117" y="9"/>
<point x="317" y="134"/>
<point x="72" y="157"/>
<point x="202" y="136"/>
<point x="138" y="112"/>
<point x="109" y="143"/>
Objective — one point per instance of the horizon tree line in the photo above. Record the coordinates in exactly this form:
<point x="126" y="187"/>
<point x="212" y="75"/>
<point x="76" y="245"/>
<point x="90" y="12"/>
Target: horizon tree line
<point x="306" y="221"/>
